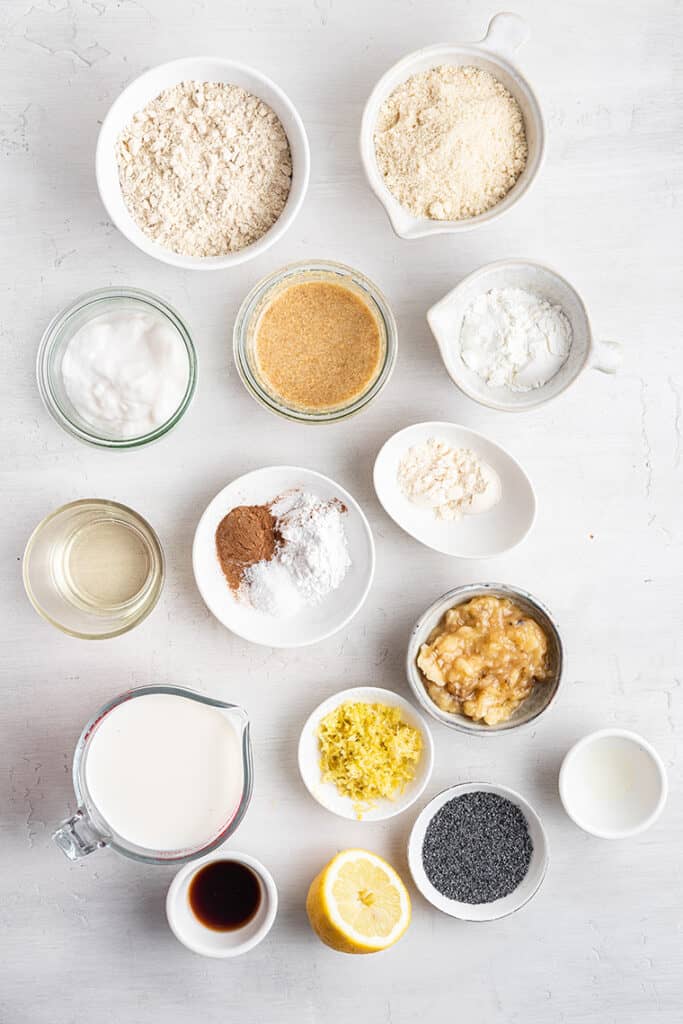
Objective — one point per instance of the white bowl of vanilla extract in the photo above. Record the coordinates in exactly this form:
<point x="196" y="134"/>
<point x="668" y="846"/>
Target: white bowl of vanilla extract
<point x="222" y="905"/>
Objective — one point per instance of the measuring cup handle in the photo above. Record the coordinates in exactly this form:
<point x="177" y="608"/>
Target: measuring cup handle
<point x="606" y="356"/>
<point x="505" y="34"/>
<point x="76" y="837"/>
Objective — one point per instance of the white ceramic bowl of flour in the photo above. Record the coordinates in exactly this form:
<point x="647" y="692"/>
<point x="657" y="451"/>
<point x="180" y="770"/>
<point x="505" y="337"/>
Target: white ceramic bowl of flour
<point x="144" y="89"/>
<point x="494" y="53"/>
<point x="474" y="536"/>
<point x="446" y="318"/>
<point x="311" y="623"/>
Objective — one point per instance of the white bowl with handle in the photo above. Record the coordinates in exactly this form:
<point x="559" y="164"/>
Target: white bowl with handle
<point x="494" y="53"/>
<point x="445" y="319"/>
<point x="147" y="87"/>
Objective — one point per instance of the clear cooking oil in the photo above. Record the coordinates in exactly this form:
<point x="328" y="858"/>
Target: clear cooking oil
<point x="104" y="565"/>
<point x="94" y="568"/>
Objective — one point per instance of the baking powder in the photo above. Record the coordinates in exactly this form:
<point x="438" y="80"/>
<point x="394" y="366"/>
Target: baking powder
<point x="312" y="558"/>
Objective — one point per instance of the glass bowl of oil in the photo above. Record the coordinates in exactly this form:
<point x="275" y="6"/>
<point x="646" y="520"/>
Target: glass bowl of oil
<point x="93" y="568"/>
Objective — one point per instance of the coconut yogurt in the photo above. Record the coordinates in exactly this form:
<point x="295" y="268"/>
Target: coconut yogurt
<point x="125" y="372"/>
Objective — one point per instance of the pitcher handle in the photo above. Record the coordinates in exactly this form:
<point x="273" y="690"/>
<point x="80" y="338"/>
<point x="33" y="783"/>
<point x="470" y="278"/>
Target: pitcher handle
<point x="505" y="34"/>
<point x="606" y="356"/>
<point x="76" y="837"/>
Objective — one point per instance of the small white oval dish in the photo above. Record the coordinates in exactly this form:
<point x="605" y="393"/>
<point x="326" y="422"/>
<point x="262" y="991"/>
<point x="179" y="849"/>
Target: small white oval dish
<point x="314" y="622"/>
<point x="207" y="941"/>
<point x="326" y="793"/>
<point x="509" y="904"/>
<point x="474" y="536"/>
<point x="613" y="784"/>
<point x="139" y="93"/>
<point x="494" y="53"/>
<point x="446" y="316"/>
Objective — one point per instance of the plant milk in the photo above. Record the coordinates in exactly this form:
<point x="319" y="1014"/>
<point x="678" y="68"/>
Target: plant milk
<point x="165" y="772"/>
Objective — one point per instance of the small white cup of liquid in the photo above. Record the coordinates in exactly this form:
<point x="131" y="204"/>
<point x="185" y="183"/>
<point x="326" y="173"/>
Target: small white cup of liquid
<point x="222" y="905"/>
<point x="613" y="784"/>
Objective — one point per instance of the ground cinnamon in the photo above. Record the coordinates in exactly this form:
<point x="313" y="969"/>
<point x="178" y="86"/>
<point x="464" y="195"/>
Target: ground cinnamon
<point x="247" y="535"/>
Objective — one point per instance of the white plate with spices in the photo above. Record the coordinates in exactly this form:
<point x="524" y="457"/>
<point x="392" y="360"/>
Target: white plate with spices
<point x="326" y="793"/>
<point x="481" y="535"/>
<point x="311" y="622"/>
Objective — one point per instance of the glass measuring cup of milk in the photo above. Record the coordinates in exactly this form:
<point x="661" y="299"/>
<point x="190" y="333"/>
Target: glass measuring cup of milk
<point x="161" y="774"/>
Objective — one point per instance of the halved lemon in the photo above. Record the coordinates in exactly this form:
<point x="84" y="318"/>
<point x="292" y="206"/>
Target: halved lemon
<point x="358" y="904"/>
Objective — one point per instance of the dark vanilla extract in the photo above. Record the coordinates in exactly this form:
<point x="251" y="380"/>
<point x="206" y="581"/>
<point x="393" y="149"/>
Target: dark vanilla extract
<point x="225" y="895"/>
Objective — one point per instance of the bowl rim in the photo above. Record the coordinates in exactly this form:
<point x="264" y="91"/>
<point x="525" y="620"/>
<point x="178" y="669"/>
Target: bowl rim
<point x="452" y="598"/>
<point x="421" y="823"/>
<point x="636" y="738"/>
<point x="181" y="881"/>
<point x="292" y="206"/>
<point x="353" y="503"/>
<point x="262" y="287"/>
<point x="52" y="336"/>
<point x="368" y="695"/>
<point x="423" y="226"/>
<point x="438" y="425"/>
<point x="494" y="403"/>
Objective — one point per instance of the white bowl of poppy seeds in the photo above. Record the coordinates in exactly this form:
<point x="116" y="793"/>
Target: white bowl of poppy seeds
<point x="478" y="852"/>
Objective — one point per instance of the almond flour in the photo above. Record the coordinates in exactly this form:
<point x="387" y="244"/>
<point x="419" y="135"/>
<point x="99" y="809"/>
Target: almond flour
<point x="450" y="142"/>
<point x="205" y="168"/>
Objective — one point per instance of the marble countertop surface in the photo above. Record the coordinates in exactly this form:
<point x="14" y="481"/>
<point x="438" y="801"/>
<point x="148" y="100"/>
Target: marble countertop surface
<point x="601" y="943"/>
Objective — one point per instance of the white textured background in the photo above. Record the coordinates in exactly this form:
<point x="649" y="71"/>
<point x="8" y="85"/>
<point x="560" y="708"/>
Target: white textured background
<point x="602" y="941"/>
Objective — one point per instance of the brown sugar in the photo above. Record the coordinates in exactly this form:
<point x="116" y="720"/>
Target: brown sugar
<point x="248" y="534"/>
<point x="318" y="346"/>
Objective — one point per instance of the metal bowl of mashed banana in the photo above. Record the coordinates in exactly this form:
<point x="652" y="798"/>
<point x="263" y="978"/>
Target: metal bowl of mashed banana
<point x="485" y="658"/>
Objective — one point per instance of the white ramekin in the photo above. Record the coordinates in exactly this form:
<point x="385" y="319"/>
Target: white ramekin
<point x="505" y="34"/>
<point x="145" y="88"/>
<point x="205" y="941"/>
<point x="643" y="808"/>
<point x="446" y="316"/>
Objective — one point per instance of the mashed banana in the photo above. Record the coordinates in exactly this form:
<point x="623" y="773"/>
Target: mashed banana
<point x="483" y="659"/>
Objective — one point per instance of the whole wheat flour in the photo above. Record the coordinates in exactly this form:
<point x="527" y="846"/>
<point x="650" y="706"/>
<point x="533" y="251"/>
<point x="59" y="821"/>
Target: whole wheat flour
<point x="205" y="168"/>
<point x="450" y="142"/>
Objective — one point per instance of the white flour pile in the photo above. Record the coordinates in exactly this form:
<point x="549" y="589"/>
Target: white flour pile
<point x="205" y="168"/>
<point x="451" y="482"/>
<point x="514" y="339"/>
<point x="450" y="142"/>
<point x="312" y="558"/>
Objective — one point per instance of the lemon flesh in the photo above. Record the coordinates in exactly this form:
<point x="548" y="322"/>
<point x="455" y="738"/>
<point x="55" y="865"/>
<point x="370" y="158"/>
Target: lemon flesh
<point x="358" y="904"/>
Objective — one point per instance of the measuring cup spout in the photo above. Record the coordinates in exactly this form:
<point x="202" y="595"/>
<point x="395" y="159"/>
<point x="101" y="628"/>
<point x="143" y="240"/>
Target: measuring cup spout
<point x="76" y="837"/>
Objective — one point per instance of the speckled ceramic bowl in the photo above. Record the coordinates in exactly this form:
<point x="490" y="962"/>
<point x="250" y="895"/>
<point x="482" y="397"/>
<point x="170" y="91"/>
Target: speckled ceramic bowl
<point x="541" y="696"/>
